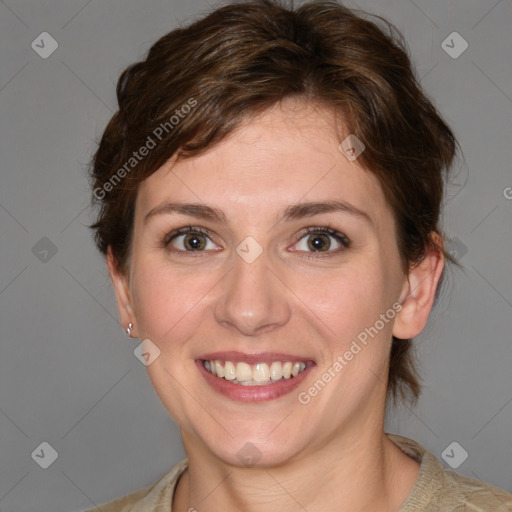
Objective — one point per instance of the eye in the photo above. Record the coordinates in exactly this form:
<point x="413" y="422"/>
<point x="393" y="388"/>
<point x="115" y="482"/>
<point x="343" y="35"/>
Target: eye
<point x="189" y="239"/>
<point x="322" y="239"/>
<point x="317" y="240"/>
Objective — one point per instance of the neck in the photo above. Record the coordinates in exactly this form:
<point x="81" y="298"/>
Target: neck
<point x="359" y="472"/>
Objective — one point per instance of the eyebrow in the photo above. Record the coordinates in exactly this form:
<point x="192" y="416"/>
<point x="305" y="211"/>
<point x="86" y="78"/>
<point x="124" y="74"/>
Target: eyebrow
<point x="290" y="212"/>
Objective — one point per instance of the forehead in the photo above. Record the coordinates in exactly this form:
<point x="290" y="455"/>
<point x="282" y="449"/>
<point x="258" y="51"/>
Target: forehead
<point x="285" y="155"/>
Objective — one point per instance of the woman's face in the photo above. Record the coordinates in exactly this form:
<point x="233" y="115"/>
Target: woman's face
<point x="250" y="287"/>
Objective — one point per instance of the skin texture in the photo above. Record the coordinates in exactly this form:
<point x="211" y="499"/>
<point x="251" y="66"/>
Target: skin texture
<point x="331" y="453"/>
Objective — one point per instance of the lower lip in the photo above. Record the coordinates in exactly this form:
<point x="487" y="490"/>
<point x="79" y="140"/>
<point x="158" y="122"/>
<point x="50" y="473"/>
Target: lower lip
<point x="252" y="393"/>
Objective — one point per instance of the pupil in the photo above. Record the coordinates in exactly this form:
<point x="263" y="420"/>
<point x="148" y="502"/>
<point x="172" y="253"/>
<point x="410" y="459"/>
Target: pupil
<point x="317" y="242"/>
<point x="194" y="241"/>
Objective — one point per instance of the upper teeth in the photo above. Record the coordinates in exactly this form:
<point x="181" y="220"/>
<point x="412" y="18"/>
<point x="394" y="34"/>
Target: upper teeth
<point x="256" y="374"/>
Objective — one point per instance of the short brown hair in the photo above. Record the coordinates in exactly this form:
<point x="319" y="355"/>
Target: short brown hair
<point x="198" y="83"/>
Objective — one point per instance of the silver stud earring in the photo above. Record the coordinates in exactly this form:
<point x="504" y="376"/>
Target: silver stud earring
<point x="129" y="330"/>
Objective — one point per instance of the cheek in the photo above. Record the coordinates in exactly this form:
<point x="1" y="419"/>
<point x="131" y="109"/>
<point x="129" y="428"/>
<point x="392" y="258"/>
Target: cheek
<point x="351" y="303"/>
<point x="170" y="307"/>
<point x="169" y="304"/>
<point x="346" y="301"/>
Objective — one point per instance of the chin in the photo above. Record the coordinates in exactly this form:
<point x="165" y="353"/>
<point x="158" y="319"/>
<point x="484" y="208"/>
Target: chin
<point x="251" y="445"/>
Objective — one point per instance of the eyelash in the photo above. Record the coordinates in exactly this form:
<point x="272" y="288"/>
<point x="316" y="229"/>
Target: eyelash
<point x="339" y="237"/>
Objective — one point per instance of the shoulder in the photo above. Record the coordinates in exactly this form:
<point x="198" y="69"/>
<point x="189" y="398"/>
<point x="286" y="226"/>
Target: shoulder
<point x="441" y="490"/>
<point x="466" y="494"/>
<point x="153" y="498"/>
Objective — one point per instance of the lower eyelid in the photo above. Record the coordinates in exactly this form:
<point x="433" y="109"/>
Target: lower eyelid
<point x="322" y="254"/>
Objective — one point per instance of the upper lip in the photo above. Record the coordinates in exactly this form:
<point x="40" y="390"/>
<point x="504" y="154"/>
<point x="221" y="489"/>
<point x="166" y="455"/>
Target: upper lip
<point x="261" y="357"/>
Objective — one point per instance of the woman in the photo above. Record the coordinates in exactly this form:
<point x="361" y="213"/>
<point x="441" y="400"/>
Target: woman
<point x="269" y="195"/>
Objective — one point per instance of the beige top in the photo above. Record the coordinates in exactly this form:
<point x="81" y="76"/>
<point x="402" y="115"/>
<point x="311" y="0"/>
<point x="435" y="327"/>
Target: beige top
<point x="436" y="489"/>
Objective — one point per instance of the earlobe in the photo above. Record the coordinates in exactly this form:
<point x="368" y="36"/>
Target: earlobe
<point x="121" y="289"/>
<point x="419" y="293"/>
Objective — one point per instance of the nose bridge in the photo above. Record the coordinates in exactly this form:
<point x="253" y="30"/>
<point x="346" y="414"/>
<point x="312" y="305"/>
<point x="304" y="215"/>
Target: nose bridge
<point x="252" y="298"/>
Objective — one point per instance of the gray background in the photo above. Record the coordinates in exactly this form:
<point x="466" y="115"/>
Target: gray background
<point x="68" y="375"/>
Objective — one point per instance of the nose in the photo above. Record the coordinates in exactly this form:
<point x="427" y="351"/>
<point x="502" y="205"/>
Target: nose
<point x="252" y="298"/>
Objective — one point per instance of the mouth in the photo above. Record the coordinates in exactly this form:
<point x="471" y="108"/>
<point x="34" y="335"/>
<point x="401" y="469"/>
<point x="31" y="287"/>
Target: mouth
<point x="259" y="374"/>
<point x="253" y="377"/>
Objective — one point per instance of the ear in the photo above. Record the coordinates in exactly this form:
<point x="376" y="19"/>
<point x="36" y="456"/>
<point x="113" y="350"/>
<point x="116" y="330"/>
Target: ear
<point x="418" y="293"/>
<point x="122" y="291"/>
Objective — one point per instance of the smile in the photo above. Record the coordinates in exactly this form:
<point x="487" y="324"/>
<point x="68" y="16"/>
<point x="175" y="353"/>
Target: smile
<point x="261" y="377"/>
<point x="259" y="374"/>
